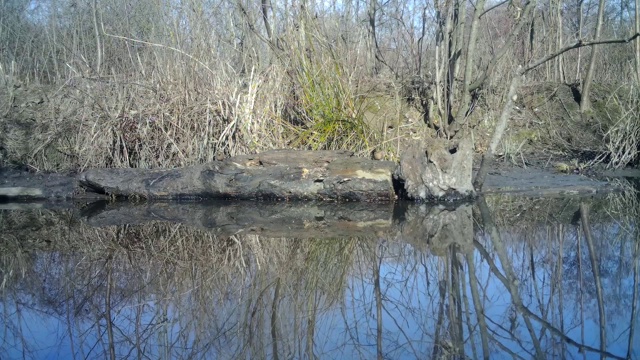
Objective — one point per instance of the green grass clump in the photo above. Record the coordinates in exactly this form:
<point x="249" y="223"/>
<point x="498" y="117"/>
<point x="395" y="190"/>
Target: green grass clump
<point x="332" y="113"/>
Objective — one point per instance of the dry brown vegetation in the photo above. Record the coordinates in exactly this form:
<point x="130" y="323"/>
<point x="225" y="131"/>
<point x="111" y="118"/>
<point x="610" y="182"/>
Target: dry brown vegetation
<point x="163" y="84"/>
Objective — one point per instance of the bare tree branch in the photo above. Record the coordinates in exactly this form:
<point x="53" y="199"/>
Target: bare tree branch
<point x="576" y="45"/>
<point x="494" y="6"/>
<point x="510" y="40"/>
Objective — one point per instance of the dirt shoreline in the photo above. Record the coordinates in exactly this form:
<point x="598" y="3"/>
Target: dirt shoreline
<point x="531" y="181"/>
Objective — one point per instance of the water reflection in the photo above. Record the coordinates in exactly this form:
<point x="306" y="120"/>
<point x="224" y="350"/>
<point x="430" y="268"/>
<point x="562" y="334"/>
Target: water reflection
<point x="504" y="278"/>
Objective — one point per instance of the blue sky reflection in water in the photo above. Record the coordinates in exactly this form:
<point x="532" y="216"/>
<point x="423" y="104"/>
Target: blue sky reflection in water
<point x="175" y="292"/>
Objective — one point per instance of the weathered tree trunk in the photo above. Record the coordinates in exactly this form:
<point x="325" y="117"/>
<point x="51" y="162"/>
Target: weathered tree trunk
<point x="277" y="175"/>
<point x="437" y="169"/>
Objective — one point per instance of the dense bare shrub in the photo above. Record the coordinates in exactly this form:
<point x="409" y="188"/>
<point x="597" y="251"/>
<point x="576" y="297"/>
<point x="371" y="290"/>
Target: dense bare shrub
<point x="149" y="84"/>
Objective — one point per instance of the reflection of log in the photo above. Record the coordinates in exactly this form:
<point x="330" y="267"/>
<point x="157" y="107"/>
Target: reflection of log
<point x="269" y="219"/>
<point x="279" y="174"/>
<point x="437" y="227"/>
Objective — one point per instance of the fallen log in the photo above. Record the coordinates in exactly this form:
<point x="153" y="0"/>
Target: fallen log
<point x="434" y="170"/>
<point x="272" y="175"/>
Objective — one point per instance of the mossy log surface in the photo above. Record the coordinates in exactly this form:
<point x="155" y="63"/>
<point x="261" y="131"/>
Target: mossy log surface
<point x="272" y="175"/>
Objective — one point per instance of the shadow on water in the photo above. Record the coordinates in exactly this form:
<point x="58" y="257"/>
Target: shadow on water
<point x="506" y="277"/>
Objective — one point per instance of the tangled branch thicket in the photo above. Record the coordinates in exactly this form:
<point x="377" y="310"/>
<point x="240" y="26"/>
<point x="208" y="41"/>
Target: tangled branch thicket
<point x="161" y="84"/>
<point x="623" y="137"/>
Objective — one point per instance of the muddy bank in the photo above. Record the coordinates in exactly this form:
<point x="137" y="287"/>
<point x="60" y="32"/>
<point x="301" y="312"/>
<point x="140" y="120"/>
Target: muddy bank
<point x="547" y="182"/>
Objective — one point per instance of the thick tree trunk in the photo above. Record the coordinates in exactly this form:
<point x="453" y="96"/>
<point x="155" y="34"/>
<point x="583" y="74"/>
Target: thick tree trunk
<point x="437" y="169"/>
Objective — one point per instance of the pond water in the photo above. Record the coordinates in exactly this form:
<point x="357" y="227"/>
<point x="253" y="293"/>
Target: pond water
<point x="505" y="277"/>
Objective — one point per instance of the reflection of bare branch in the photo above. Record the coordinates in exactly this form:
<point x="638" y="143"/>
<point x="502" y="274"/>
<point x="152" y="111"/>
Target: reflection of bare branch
<point x="559" y="281"/>
<point x="436" y="340"/>
<point x="512" y="336"/>
<point x="634" y="302"/>
<point x="274" y="319"/>
<point x="581" y="292"/>
<point x="378" y="294"/>
<point x="467" y="313"/>
<point x="566" y="338"/>
<point x="311" y="326"/>
<point x="504" y="348"/>
<point x="400" y="328"/>
<point x="584" y="216"/>
<point x="473" y="284"/>
<point x="528" y="313"/>
<point x="107" y="312"/>
<point x="454" y="291"/>
<point x="510" y="282"/>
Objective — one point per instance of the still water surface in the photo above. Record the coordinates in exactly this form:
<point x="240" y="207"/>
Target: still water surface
<point x="506" y="277"/>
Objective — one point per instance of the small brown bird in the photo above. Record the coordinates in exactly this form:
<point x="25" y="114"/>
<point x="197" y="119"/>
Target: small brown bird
<point x="377" y="154"/>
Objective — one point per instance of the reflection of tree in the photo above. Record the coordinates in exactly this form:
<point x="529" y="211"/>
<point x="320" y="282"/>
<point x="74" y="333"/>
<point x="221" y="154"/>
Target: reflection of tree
<point x="584" y="217"/>
<point x="634" y="301"/>
<point x="509" y="279"/>
<point x="545" y="298"/>
<point x="477" y="305"/>
<point x="167" y="291"/>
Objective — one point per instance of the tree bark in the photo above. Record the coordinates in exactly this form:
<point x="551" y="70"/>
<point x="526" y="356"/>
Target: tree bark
<point x="265" y="18"/>
<point x="585" y="102"/>
<point x="375" y="50"/>
<point x="559" y="32"/>
<point x="471" y="52"/>
<point x="579" y="36"/>
<point x="98" y="65"/>
<point x="638" y="41"/>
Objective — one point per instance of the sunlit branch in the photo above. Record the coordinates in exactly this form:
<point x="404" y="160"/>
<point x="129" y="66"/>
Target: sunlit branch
<point x="576" y="45"/>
